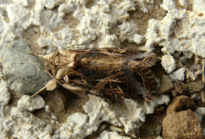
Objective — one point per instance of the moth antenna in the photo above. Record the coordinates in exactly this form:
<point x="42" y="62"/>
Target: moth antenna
<point x="44" y="57"/>
<point x="39" y="91"/>
<point x="55" y="79"/>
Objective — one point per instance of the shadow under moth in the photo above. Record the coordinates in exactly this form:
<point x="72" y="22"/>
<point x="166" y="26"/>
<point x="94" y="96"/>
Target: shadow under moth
<point x="103" y="72"/>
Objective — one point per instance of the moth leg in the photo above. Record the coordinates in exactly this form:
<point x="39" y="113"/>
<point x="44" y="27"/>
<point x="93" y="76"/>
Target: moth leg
<point x="80" y="91"/>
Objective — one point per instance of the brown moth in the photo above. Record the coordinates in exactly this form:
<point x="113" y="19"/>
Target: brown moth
<point x="103" y="72"/>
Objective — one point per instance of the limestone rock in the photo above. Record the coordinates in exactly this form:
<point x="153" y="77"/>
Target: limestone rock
<point x="23" y="72"/>
<point x="180" y="103"/>
<point x="25" y="125"/>
<point x="4" y="93"/>
<point x="31" y="104"/>
<point x="128" y="114"/>
<point x="181" y="125"/>
<point x="178" y="75"/>
<point x="166" y="84"/>
<point x="168" y="63"/>
<point x="111" y="135"/>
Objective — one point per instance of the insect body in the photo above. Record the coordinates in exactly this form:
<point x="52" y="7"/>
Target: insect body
<point x="104" y="72"/>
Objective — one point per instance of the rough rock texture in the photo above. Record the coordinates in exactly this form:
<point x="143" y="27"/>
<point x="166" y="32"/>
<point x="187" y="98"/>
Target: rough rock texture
<point x="23" y="72"/>
<point x="116" y="113"/>
<point x="170" y="25"/>
<point x="166" y="84"/>
<point x="180" y="121"/>
<point x="185" y="35"/>
<point x="178" y="75"/>
<point x="4" y="93"/>
<point x="180" y="103"/>
<point x="168" y="63"/>
<point x="200" y="113"/>
<point x="24" y="125"/>
<point x="111" y="135"/>
<point x="31" y="104"/>
<point x="181" y="125"/>
<point x="196" y="86"/>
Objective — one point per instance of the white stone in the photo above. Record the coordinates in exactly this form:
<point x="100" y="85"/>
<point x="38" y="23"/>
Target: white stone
<point x="200" y="113"/>
<point x="168" y="63"/>
<point x="128" y="31"/>
<point x="23" y="2"/>
<point x="111" y="135"/>
<point x="31" y="104"/>
<point x="199" y="5"/>
<point x="4" y="93"/>
<point x="75" y="127"/>
<point x="18" y="15"/>
<point x="188" y="33"/>
<point x="127" y="113"/>
<point x="168" y="4"/>
<point x="178" y="75"/>
<point x="25" y="125"/>
<point x="184" y="3"/>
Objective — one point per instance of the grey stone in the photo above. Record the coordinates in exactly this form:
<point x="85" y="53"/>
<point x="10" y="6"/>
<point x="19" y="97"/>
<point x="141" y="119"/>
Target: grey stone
<point x="23" y="72"/>
<point x="166" y="84"/>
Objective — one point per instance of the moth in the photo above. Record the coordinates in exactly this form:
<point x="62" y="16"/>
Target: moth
<point x="106" y="73"/>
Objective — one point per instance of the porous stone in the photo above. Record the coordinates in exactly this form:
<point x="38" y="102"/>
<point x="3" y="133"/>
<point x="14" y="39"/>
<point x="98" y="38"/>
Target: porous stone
<point x="4" y="93"/>
<point x="127" y="113"/>
<point x="180" y="125"/>
<point x="166" y="84"/>
<point x="172" y="35"/>
<point x="25" y="125"/>
<point x="168" y="63"/>
<point x="178" y="75"/>
<point x="23" y="72"/>
<point x="180" y="103"/>
<point x="31" y="104"/>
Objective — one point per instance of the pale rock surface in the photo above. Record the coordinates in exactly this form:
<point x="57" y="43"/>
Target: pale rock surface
<point x="182" y="124"/>
<point x="178" y="75"/>
<point x="199" y="5"/>
<point x="111" y="135"/>
<point x="4" y="93"/>
<point x="128" y="114"/>
<point x="87" y="27"/>
<point x="31" y="104"/>
<point x="188" y="33"/>
<point x="24" y="125"/>
<point x="184" y="3"/>
<point x="168" y="63"/>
